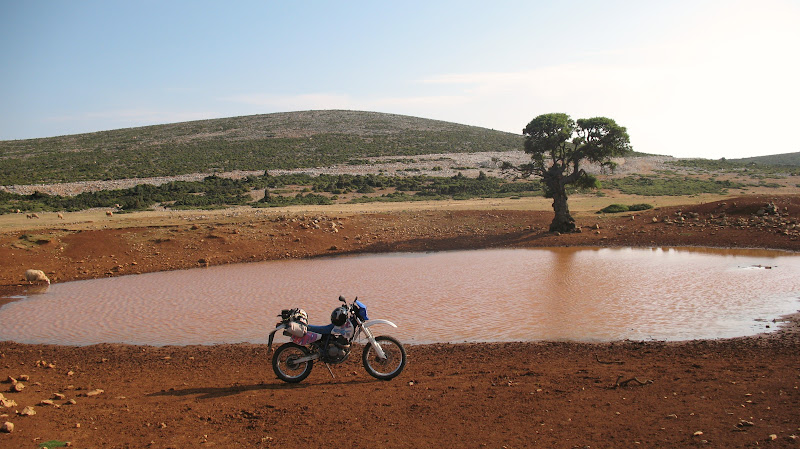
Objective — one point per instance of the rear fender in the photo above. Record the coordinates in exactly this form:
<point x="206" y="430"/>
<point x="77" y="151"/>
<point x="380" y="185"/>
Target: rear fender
<point x="272" y="335"/>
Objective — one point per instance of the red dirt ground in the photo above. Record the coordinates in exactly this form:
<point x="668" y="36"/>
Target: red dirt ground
<point x="724" y="393"/>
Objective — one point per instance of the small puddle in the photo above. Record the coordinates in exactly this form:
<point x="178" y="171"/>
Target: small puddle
<point x="577" y="294"/>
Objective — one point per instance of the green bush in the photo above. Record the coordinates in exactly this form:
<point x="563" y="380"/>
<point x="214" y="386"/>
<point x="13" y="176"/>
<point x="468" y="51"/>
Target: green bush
<point x="216" y="192"/>
<point x="670" y="186"/>
<point x="638" y="207"/>
<point x="614" y="209"/>
<point x="617" y="208"/>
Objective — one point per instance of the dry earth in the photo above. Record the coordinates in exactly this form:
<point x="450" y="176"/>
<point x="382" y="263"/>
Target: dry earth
<point x="727" y="393"/>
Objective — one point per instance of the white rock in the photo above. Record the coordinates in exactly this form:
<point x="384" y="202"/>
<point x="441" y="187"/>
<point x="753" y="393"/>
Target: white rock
<point x="95" y="392"/>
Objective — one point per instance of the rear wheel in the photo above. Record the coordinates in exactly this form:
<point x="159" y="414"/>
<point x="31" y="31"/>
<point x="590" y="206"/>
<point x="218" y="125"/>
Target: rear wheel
<point x="285" y="364"/>
<point x="389" y="367"/>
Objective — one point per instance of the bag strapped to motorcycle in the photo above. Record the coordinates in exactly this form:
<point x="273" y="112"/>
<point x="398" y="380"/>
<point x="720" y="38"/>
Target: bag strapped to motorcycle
<point x="295" y="322"/>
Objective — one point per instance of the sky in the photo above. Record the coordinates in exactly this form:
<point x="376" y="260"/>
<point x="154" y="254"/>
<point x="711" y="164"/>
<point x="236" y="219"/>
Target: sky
<point x="687" y="78"/>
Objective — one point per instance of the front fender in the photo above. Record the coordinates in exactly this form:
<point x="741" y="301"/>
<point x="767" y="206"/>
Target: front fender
<point x="374" y="322"/>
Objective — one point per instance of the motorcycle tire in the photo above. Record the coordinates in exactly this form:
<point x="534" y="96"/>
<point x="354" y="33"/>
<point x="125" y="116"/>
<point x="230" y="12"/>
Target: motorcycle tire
<point x="284" y="366"/>
<point x="390" y="367"/>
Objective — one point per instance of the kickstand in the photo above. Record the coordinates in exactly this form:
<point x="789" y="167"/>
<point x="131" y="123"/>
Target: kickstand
<point x="329" y="370"/>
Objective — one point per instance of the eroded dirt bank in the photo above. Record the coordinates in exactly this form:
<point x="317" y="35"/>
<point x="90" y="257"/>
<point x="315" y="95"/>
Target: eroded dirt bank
<point x="730" y="393"/>
<point x="107" y="248"/>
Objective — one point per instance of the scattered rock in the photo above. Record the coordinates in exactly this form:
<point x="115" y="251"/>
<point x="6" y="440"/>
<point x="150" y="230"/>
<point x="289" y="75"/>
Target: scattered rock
<point x="94" y="392"/>
<point x="7" y="427"/>
<point x="17" y="387"/>
<point x="59" y="396"/>
<point x="27" y="411"/>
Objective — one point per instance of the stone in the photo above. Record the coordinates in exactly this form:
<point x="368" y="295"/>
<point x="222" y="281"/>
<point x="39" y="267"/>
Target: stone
<point x="7" y="427"/>
<point x="28" y="411"/>
<point x="17" y="387"/>
<point x="95" y="392"/>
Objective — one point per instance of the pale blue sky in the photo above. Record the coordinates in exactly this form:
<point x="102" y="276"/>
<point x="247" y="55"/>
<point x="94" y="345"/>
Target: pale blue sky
<point x="690" y="78"/>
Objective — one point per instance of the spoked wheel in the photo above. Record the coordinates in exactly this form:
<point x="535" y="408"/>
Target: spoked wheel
<point x="285" y="364"/>
<point x="392" y="365"/>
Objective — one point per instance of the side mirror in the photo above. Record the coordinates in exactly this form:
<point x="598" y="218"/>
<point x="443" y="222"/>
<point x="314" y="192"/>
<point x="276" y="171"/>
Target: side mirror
<point x="341" y="298"/>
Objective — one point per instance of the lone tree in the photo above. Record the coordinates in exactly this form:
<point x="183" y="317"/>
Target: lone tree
<point x="557" y="147"/>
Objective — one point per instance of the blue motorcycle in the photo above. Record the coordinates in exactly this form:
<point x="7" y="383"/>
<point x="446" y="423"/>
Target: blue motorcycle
<point x="384" y="357"/>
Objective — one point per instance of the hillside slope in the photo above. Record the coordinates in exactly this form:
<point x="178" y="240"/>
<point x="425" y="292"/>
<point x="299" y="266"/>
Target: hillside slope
<point x="258" y="142"/>
<point x="792" y="159"/>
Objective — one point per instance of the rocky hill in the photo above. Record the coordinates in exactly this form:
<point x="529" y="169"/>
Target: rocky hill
<point x="790" y="159"/>
<point x="259" y="142"/>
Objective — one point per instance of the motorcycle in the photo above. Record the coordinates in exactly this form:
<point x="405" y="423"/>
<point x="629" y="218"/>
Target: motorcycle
<point x="384" y="357"/>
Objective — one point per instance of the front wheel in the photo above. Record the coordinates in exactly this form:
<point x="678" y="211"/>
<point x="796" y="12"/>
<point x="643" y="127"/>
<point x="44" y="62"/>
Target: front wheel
<point x="392" y="365"/>
<point x="285" y="364"/>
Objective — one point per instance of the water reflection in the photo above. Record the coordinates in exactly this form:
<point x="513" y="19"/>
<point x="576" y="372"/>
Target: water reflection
<point x="585" y="294"/>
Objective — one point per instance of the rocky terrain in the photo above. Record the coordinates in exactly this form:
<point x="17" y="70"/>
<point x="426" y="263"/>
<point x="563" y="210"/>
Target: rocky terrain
<point x="725" y="393"/>
<point x="448" y="164"/>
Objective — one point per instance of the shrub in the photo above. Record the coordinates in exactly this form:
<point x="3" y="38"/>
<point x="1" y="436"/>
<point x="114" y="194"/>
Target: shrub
<point x="617" y="208"/>
<point x="614" y="209"/>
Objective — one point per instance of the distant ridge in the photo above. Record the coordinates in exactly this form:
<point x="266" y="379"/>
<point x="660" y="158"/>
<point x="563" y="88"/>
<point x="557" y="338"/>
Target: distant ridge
<point x="257" y="142"/>
<point x="792" y="159"/>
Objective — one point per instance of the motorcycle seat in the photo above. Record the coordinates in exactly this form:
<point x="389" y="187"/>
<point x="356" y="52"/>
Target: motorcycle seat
<point x="324" y="330"/>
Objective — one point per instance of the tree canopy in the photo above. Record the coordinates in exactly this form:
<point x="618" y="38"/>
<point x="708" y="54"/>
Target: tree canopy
<point x="558" y="146"/>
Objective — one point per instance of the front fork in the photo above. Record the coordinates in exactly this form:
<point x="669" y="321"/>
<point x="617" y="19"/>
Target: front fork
<point x="372" y="341"/>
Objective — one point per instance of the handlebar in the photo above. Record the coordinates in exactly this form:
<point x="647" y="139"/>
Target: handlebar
<point x="351" y="305"/>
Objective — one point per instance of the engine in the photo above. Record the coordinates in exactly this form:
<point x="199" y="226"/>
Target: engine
<point x="337" y="350"/>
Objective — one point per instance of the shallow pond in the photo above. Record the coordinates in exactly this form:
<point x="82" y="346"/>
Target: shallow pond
<point x="579" y="294"/>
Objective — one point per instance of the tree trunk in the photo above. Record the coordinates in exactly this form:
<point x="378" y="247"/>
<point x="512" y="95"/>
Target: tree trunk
<point x="562" y="221"/>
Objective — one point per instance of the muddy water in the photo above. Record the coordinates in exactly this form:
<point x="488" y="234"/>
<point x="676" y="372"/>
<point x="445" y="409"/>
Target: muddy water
<point x="581" y="294"/>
